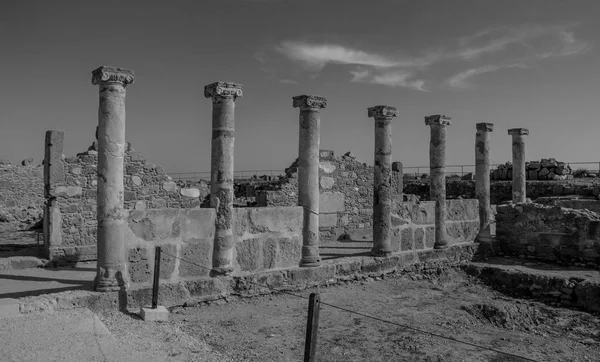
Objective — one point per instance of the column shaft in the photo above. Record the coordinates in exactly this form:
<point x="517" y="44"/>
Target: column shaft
<point x="308" y="175"/>
<point x="518" y="151"/>
<point x="308" y="183"/>
<point x="482" y="179"/>
<point x="112" y="272"/>
<point x="222" y="166"/>
<point x="437" y="164"/>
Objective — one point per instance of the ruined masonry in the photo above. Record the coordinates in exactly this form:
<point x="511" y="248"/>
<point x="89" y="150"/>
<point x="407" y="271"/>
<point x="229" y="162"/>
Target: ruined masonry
<point x="109" y="203"/>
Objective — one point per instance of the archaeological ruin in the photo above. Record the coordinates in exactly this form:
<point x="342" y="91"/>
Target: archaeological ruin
<point x="111" y="205"/>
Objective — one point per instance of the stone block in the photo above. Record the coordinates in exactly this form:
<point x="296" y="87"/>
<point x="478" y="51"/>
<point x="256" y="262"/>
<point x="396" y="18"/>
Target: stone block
<point x="200" y="253"/>
<point x="67" y="191"/>
<point x="533" y="175"/>
<point x="198" y="224"/>
<point x="160" y="314"/>
<point x="423" y="213"/>
<point x="327" y="182"/>
<point x="136" y="180"/>
<point x="202" y="287"/>
<point x="167" y="262"/>
<point x="275" y="219"/>
<point x="289" y="252"/>
<point x="330" y="202"/>
<point x="327" y="167"/>
<point x="466" y="209"/>
<point x="139" y="265"/>
<point x="326" y="154"/>
<point x="429" y="236"/>
<point x="395" y="239"/>
<point x="54" y="171"/>
<point x="419" y="236"/>
<point x="249" y="254"/>
<point x="406" y="239"/>
<point x="328" y="220"/>
<point x="191" y="192"/>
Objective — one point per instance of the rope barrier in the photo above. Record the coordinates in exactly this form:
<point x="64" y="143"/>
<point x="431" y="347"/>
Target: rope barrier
<point x="366" y="315"/>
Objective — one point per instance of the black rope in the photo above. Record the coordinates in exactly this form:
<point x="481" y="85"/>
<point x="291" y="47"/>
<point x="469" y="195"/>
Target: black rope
<point x="365" y="315"/>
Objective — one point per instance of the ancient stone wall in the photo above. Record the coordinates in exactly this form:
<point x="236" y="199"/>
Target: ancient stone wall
<point x="501" y="191"/>
<point x="21" y="195"/>
<point x="265" y="238"/>
<point x="413" y="224"/>
<point x="71" y="187"/>
<point x="346" y="194"/>
<point x="546" y="169"/>
<point x="549" y="233"/>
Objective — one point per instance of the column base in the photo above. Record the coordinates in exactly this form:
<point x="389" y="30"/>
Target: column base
<point x="221" y="271"/>
<point x="378" y="252"/>
<point x="109" y="280"/>
<point x="310" y="263"/>
<point x="440" y="245"/>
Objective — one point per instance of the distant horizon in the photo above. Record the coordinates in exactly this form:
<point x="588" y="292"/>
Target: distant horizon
<point x="515" y="64"/>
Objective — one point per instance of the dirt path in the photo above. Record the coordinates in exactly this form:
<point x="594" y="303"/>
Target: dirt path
<point x="271" y="328"/>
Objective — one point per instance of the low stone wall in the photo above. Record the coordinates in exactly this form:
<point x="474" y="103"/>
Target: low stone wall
<point x="501" y="191"/>
<point x="71" y="188"/>
<point x="21" y="195"/>
<point x="414" y="224"/>
<point x="549" y="233"/>
<point x="266" y="238"/>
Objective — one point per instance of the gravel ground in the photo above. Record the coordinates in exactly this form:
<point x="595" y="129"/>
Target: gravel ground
<point x="272" y="327"/>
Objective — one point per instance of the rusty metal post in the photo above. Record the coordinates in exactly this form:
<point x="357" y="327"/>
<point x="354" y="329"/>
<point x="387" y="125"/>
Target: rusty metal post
<point x="312" y="325"/>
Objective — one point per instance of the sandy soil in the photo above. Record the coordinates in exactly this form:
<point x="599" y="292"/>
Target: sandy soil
<point x="272" y="327"/>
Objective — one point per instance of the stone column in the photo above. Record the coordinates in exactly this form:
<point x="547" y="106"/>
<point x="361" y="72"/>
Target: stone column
<point x="221" y="168"/>
<point x="518" y="151"/>
<point x="482" y="179"/>
<point x="382" y="180"/>
<point x="437" y="177"/>
<point x="308" y="175"/>
<point x="111" y="269"/>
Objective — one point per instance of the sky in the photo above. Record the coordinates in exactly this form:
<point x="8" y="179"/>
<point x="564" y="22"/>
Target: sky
<point x="531" y="64"/>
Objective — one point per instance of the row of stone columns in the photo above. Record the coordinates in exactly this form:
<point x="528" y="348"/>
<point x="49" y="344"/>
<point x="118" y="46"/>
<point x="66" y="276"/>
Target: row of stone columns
<point x="111" y="270"/>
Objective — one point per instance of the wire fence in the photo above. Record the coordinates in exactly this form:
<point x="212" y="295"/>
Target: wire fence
<point x="245" y="174"/>
<point x="460" y="170"/>
<point x="278" y="290"/>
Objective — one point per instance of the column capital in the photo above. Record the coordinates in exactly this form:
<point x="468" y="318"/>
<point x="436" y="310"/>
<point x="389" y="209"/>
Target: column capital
<point x="438" y="119"/>
<point x="223" y="89"/>
<point x="382" y="112"/>
<point x="106" y="74"/>
<point x="483" y="126"/>
<point x="308" y="101"/>
<point x="518" y="131"/>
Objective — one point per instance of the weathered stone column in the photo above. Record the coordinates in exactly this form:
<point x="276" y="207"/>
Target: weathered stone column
<point x="223" y="96"/>
<point x="382" y="180"/>
<point x="482" y="179"/>
<point x="437" y="177"/>
<point x="111" y="270"/>
<point x="519" y="194"/>
<point x="308" y="174"/>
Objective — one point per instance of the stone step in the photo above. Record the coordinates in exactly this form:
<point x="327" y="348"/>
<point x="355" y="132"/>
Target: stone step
<point x="21" y="262"/>
<point x="9" y="307"/>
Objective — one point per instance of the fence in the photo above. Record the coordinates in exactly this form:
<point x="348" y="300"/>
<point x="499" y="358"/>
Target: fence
<point x="205" y="176"/>
<point x="314" y="306"/>
<point x="462" y="170"/>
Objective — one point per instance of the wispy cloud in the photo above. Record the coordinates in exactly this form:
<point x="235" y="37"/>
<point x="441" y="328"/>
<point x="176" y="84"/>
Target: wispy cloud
<point x="488" y="50"/>
<point x="396" y="78"/>
<point x="288" y="81"/>
<point x="316" y="56"/>
<point x="460" y="80"/>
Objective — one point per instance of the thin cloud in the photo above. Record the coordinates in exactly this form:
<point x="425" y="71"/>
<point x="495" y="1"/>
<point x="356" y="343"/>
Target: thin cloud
<point x="543" y="41"/>
<point x="288" y="81"/>
<point x="316" y="56"/>
<point x="460" y="80"/>
<point x="390" y="79"/>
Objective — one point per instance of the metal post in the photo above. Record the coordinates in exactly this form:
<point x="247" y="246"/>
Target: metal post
<point x="156" y="276"/>
<point x="312" y="325"/>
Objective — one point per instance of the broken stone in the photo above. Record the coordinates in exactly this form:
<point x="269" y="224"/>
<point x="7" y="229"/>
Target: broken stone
<point x="170" y="186"/>
<point x="191" y="192"/>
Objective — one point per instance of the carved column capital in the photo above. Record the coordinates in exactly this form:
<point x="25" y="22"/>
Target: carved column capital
<point x="223" y="90"/>
<point x="486" y="127"/>
<point x="308" y="101"/>
<point x="382" y="112"/>
<point x="438" y="119"/>
<point x="106" y="74"/>
<point x="518" y="132"/>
